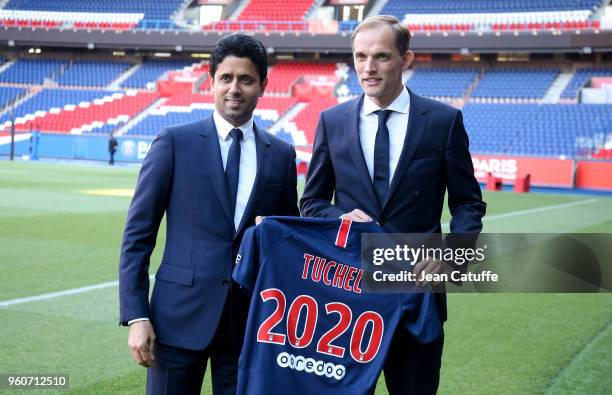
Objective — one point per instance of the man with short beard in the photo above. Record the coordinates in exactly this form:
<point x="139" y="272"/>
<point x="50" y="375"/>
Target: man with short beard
<point x="210" y="178"/>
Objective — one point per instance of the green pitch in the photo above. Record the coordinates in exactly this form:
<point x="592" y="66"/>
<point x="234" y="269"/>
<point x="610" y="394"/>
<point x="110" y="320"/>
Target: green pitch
<point x="61" y="229"/>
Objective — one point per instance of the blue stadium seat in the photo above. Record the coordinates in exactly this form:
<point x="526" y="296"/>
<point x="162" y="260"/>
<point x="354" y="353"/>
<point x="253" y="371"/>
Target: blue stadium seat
<point x="532" y="129"/>
<point x="580" y="79"/>
<point x="32" y="71"/>
<point x="154" y="122"/>
<point x="55" y="98"/>
<point x="92" y="73"/>
<point x="515" y="83"/>
<point x="10" y="94"/>
<point x="152" y="9"/>
<point x="151" y="70"/>
<point x="441" y="82"/>
<point x="399" y="8"/>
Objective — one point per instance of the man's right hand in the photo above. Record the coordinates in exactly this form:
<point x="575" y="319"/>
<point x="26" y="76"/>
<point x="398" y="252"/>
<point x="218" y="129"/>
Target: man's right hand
<point x="142" y="343"/>
<point x="357" y="216"/>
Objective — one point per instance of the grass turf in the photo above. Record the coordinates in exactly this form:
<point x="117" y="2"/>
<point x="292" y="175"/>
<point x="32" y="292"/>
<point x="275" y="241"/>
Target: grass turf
<point x="55" y="237"/>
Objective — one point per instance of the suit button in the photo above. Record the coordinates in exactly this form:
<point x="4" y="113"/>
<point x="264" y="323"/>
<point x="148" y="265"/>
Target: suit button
<point x="225" y="282"/>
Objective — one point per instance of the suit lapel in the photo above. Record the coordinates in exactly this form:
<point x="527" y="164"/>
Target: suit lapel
<point x="417" y="122"/>
<point x="351" y="130"/>
<point x="264" y="162"/>
<point x="214" y="163"/>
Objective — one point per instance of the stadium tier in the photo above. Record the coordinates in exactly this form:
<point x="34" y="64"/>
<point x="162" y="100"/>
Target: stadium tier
<point x="307" y="119"/>
<point x="515" y="83"/>
<point x="186" y="108"/>
<point x="284" y="74"/>
<point x="152" y="9"/>
<point x="9" y="94"/>
<point x="75" y="111"/>
<point x="30" y="71"/>
<point x="456" y="15"/>
<point x="151" y="70"/>
<point x="275" y="10"/>
<point x="580" y="79"/>
<point x="438" y="82"/>
<point x="92" y="73"/>
<point x="50" y="99"/>
<point x="538" y="130"/>
<point x="401" y="7"/>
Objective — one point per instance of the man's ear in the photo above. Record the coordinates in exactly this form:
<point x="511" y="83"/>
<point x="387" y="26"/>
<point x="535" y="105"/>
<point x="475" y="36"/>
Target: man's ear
<point x="263" y="85"/>
<point x="408" y="59"/>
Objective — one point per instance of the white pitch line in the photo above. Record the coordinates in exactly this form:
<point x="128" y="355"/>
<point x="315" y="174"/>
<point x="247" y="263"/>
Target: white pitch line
<point x="110" y="284"/>
<point x="58" y="294"/>
<point x="532" y="210"/>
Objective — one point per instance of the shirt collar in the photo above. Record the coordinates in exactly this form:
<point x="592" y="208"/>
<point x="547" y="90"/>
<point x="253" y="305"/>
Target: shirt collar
<point x="400" y="104"/>
<point x="224" y="127"/>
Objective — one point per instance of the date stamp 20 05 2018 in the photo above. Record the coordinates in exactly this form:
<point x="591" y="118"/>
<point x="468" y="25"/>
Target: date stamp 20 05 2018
<point x="33" y="380"/>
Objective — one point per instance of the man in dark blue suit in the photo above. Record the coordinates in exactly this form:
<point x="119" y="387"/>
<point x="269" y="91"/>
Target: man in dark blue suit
<point x="211" y="179"/>
<point x="390" y="156"/>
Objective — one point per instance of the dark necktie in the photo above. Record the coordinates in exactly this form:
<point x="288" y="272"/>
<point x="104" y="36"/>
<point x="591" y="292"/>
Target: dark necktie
<point x="381" y="157"/>
<point x="232" y="168"/>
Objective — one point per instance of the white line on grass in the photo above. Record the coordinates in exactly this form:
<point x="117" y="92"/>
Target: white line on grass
<point x="533" y="210"/>
<point x="110" y="284"/>
<point x="59" y="294"/>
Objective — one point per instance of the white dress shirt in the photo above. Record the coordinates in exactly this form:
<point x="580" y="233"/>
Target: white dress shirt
<point x="397" y="123"/>
<point x="248" y="160"/>
<point x="248" y="165"/>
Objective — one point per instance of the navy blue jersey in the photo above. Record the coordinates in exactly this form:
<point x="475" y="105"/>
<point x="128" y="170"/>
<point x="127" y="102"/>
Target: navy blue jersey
<point x="310" y="328"/>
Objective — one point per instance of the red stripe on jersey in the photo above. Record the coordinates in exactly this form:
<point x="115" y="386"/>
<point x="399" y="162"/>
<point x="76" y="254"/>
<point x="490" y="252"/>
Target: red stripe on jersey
<point x="343" y="232"/>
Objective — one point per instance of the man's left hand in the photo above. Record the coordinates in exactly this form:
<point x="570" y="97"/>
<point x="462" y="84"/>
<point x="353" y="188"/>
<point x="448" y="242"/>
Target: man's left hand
<point x="430" y="266"/>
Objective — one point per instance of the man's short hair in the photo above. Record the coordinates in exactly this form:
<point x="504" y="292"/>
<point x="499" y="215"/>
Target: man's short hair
<point x="402" y="34"/>
<point x="241" y="46"/>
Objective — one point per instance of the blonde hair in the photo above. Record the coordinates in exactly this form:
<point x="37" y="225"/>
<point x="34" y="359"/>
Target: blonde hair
<point x="402" y="34"/>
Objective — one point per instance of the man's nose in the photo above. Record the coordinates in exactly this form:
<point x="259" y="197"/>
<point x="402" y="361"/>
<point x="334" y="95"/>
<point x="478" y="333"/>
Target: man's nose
<point x="370" y="66"/>
<point x="234" y="87"/>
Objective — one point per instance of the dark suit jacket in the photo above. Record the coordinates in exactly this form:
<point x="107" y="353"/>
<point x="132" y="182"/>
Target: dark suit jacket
<point x="182" y="177"/>
<point x="435" y="158"/>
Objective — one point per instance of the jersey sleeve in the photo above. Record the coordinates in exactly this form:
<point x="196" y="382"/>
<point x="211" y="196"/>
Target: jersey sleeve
<point x="247" y="260"/>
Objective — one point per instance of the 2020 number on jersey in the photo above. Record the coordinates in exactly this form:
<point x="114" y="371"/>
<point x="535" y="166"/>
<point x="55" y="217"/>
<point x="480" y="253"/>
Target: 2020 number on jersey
<point x="305" y="304"/>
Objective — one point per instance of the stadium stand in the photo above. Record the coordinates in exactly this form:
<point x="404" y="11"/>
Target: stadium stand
<point x="151" y="70"/>
<point x="50" y="98"/>
<point x="284" y="74"/>
<point x="497" y="15"/>
<point x="515" y="83"/>
<point x="531" y="129"/>
<point x="442" y="82"/>
<point x="83" y="117"/>
<point x="581" y="78"/>
<point x="274" y="10"/>
<point x="158" y="119"/>
<point x="62" y="110"/>
<point x="401" y="7"/>
<point x="184" y="108"/>
<point x="32" y="71"/>
<point x="307" y="119"/>
<point x="92" y="73"/>
<point x="9" y="94"/>
<point x="152" y="9"/>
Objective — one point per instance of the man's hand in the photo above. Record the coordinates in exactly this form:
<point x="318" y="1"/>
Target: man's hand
<point x="357" y="216"/>
<point x="430" y="266"/>
<point x="142" y="343"/>
<point x="258" y="219"/>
